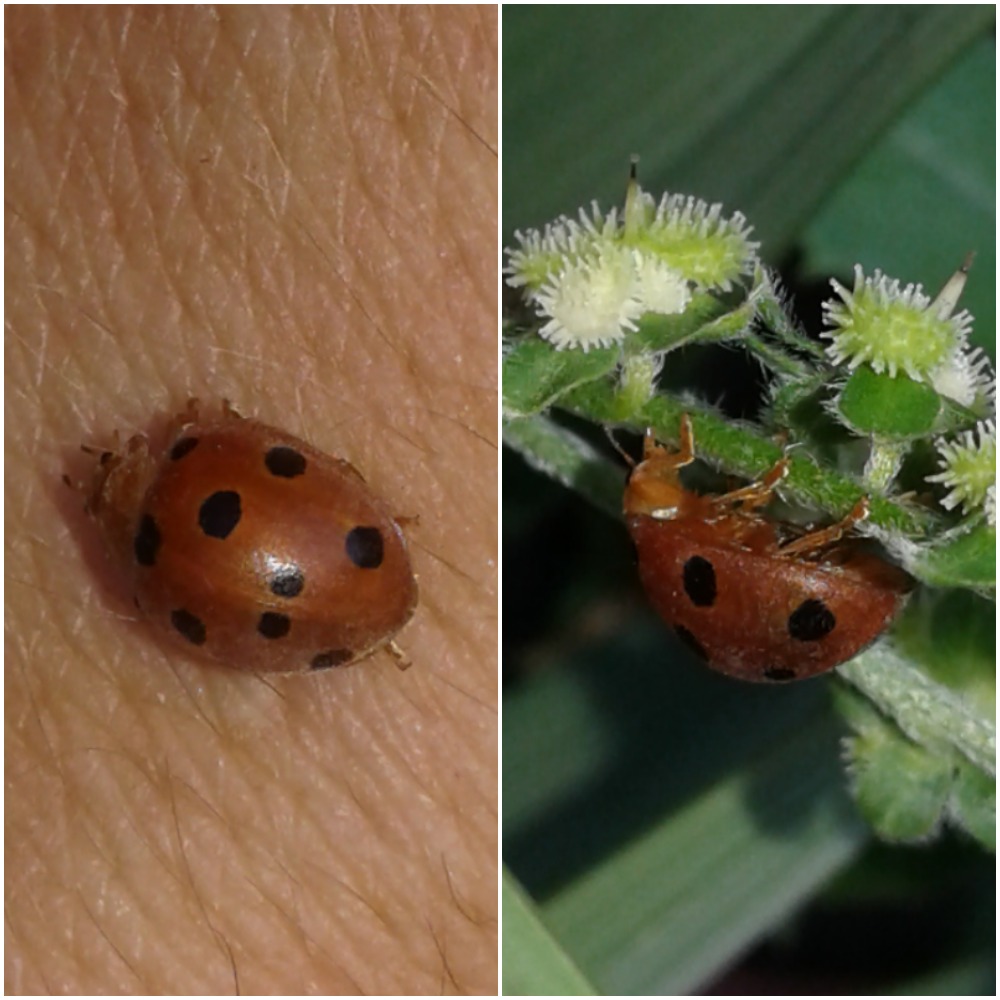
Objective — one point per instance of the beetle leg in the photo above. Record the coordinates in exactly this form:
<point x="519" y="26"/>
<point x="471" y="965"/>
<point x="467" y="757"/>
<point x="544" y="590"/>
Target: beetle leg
<point x="755" y="494"/>
<point x="817" y="540"/>
<point x="403" y="662"/>
<point x="669" y="460"/>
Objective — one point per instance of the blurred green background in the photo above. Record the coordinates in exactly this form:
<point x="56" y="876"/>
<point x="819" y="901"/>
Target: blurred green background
<point x="668" y="830"/>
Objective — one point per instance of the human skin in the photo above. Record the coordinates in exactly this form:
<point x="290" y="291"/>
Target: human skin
<point x="294" y="209"/>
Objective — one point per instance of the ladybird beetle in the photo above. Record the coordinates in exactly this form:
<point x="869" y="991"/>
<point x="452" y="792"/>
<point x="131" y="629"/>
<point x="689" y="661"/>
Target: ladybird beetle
<point x="756" y="599"/>
<point x="248" y="545"/>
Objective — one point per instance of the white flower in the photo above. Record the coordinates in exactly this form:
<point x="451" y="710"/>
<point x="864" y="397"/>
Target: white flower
<point x="659" y="287"/>
<point x="592" y="302"/>
<point x="967" y="377"/>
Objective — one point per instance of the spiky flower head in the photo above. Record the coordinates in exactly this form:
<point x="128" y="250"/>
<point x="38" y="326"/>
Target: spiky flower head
<point x="541" y="255"/>
<point x="892" y="328"/>
<point x="588" y="285"/>
<point x="591" y="278"/>
<point x="592" y="301"/>
<point x="969" y="469"/>
<point x="693" y="237"/>
<point x="659" y="287"/>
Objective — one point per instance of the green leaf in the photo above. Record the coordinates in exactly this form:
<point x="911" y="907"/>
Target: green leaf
<point x="908" y="785"/>
<point x="763" y="109"/>
<point x="926" y="745"/>
<point x="965" y="557"/>
<point x="974" y="805"/>
<point x="894" y="408"/>
<point x="659" y="916"/>
<point x="659" y="332"/>
<point x="535" y="374"/>
<point x="929" y="714"/>
<point x="568" y="459"/>
<point x="663" y="817"/>
<point x="901" y="789"/>
<point x="924" y="195"/>
<point x="970" y="976"/>
<point x="951" y="634"/>
<point x="533" y="962"/>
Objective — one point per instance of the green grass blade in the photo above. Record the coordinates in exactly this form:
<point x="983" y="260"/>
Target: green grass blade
<point x="533" y="962"/>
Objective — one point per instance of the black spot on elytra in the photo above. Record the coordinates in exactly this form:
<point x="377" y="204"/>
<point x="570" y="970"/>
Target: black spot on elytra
<point x="273" y="625"/>
<point x="699" y="581"/>
<point x="364" y="547"/>
<point x="810" y="621"/>
<point x="189" y="626"/>
<point x="285" y="462"/>
<point x="183" y="447"/>
<point x="287" y="581"/>
<point x="331" y="658"/>
<point x="220" y="513"/>
<point x="691" y="642"/>
<point x="146" y="543"/>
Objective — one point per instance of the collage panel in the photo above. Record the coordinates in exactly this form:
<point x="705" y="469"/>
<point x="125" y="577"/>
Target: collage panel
<point x="748" y="635"/>
<point x="251" y="500"/>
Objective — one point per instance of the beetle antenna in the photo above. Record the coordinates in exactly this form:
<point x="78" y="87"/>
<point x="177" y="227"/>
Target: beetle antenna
<point x="621" y="451"/>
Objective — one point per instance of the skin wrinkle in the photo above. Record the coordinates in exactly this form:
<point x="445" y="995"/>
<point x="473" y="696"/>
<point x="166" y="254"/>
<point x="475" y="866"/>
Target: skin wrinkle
<point x="145" y="165"/>
<point x="173" y="858"/>
<point x="75" y="99"/>
<point x="353" y="925"/>
<point x="102" y="931"/>
<point x="291" y="923"/>
<point x="275" y="148"/>
<point x="194" y="703"/>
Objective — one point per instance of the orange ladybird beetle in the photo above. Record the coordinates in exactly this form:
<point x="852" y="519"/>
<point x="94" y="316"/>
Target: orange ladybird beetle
<point x="756" y="599"/>
<point x="248" y="545"/>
